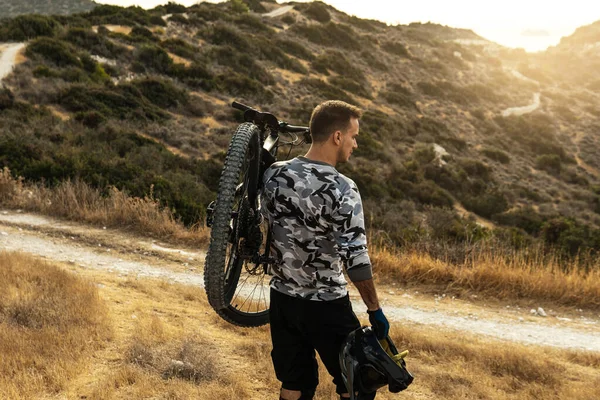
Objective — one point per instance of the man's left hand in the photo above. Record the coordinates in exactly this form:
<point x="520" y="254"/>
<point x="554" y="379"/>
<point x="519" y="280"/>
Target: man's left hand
<point x="380" y="324"/>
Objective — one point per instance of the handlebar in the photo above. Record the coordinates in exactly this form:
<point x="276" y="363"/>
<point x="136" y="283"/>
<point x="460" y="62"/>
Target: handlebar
<point x="240" y="106"/>
<point x="253" y="115"/>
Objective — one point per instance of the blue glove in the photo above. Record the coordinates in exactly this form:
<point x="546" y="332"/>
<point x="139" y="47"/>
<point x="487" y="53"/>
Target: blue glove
<point x="380" y="324"/>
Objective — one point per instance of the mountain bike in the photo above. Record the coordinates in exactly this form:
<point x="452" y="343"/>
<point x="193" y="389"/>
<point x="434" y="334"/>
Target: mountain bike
<point x="238" y="261"/>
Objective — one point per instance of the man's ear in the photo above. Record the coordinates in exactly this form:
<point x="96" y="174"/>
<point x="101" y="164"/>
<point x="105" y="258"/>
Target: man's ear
<point x="337" y="137"/>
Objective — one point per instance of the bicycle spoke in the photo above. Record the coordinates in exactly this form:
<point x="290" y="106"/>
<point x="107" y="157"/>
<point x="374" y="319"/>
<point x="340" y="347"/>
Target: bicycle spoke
<point x="239" y="289"/>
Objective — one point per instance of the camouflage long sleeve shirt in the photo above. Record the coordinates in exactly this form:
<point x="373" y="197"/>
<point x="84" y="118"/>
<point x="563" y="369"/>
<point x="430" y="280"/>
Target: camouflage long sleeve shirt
<point x="317" y="220"/>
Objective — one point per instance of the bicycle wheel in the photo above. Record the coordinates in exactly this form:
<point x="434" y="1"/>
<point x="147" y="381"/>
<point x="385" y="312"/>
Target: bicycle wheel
<point x="237" y="288"/>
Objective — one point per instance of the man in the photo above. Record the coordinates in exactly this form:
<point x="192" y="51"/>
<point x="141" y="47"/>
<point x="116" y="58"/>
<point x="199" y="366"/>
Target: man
<point x="316" y="217"/>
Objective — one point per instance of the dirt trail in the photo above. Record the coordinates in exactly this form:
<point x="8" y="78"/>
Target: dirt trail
<point x="8" y="57"/>
<point x="126" y="255"/>
<point x="525" y="109"/>
<point x="278" y="12"/>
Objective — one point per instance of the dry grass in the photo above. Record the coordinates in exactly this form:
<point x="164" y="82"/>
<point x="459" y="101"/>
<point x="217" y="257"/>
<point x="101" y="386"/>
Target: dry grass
<point x="503" y="277"/>
<point x="169" y="344"/>
<point x="458" y="366"/>
<point x="75" y="200"/>
<point x="170" y="349"/>
<point x="454" y="366"/>
<point x="49" y="321"/>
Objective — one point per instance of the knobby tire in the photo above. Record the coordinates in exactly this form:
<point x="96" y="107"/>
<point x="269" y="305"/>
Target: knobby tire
<point x="244" y="141"/>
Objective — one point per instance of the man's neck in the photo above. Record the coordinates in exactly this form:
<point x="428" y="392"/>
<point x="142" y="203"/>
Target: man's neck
<point x="318" y="153"/>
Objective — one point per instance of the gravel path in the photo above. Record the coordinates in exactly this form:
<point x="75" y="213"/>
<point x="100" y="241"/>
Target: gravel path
<point x="18" y="233"/>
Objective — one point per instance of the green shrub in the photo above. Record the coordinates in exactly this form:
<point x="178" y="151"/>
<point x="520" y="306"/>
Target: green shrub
<point x="536" y="131"/>
<point x="373" y="60"/>
<point x="7" y="98"/>
<point x="550" y="163"/>
<point x="423" y="192"/>
<point x="114" y="15"/>
<point x="157" y="20"/>
<point x="429" y="193"/>
<point x="337" y="62"/>
<point x="569" y="236"/>
<point x="108" y="155"/>
<point x="486" y="204"/>
<point x="430" y="89"/>
<point x="225" y="35"/>
<point x="331" y="34"/>
<point x="445" y="90"/>
<point x="209" y="12"/>
<point x="141" y="34"/>
<point x="238" y="6"/>
<point x="475" y="168"/>
<point x="253" y="24"/>
<point x="256" y="6"/>
<point x="270" y="52"/>
<point x="484" y="92"/>
<point x="56" y="51"/>
<point x="423" y="154"/>
<point x="294" y="48"/>
<point x="161" y="92"/>
<point x="95" y="71"/>
<point x="396" y="48"/>
<point x="318" y="11"/>
<point x="198" y="76"/>
<point x="570" y="175"/>
<point x="25" y="27"/>
<point x="73" y="74"/>
<point x="451" y="179"/>
<point x="174" y="8"/>
<point x="240" y="85"/>
<point x="496" y="155"/>
<point x="288" y="19"/>
<point x="429" y="125"/>
<point x="73" y="21"/>
<point x="368" y="147"/>
<point x="94" y="43"/>
<point x="180" y="47"/>
<point x="398" y="95"/>
<point x="381" y="125"/>
<point x="154" y="58"/>
<point x="324" y="91"/>
<point x="42" y="71"/>
<point x="369" y="25"/>
<point x="91" y="119"/>
<point x="179" y="19"/>
<point x="227" y="56"/>
<point x="524" y="218"/>
<point x="352" y="86"/>
<point x="122" y="102"/>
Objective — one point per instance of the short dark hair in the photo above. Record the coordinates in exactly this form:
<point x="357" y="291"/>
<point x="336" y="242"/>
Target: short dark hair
<point x="331" y="116"/>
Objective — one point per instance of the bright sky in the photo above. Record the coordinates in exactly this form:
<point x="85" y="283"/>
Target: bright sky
<point x="531" y="24"/>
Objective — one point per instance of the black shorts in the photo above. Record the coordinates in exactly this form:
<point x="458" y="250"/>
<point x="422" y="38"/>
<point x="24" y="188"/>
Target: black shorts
<point x="298" y="328"/>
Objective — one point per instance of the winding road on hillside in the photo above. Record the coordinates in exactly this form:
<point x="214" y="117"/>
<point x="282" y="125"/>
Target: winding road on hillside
<point x="129" y="256"/>
<point x="535" y="104"/>
<point x="8" y="57"/>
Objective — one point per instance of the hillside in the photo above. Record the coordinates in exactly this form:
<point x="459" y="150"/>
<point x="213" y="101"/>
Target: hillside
<point x="13" y="8"/>
<point x="462" y="140"/>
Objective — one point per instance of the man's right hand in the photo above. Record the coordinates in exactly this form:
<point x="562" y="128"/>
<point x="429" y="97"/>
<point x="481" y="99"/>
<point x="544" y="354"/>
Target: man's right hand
<point x="380" y="324"/>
